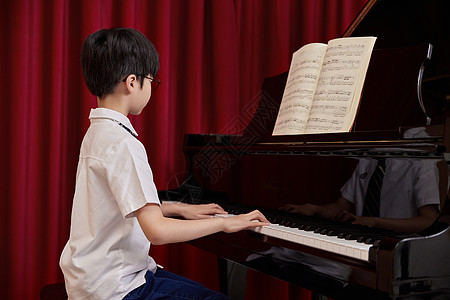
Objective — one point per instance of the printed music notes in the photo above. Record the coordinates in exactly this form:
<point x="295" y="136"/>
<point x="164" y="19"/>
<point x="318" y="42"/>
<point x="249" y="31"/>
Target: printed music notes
<point x="324" y="86"/>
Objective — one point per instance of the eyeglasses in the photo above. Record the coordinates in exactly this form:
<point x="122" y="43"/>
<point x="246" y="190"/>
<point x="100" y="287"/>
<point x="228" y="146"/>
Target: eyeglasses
<point x="156" y="80"/>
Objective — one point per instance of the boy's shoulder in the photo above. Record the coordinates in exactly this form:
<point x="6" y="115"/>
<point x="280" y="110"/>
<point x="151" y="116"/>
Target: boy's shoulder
<point x="107" y="134"/>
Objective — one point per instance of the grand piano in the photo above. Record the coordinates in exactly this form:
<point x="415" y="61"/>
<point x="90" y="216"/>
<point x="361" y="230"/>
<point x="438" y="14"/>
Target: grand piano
<point x="403" y="115"/>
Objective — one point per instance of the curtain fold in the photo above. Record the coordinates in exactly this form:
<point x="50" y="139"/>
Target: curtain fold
<point x="214" y="56"/>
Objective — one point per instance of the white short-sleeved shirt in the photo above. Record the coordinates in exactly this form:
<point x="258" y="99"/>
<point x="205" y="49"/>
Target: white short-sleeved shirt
<point x="408" y="184"/>
<point x="107" y="253"/>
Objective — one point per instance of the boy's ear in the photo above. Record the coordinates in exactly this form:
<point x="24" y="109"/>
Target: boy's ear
<point x="131" y="82"/>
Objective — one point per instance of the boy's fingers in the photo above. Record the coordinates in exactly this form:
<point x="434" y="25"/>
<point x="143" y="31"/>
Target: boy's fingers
<point x="217" y="209"/>
<point x="258" y="224"/>
<point x="257" y="215"/>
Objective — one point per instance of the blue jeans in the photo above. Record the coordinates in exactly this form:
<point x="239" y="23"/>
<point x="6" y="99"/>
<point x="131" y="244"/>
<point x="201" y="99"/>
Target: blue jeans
<point x="166" y="285"/>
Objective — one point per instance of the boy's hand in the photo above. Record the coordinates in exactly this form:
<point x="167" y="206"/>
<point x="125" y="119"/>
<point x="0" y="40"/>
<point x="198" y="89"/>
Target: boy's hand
<point x="304" y="209"/>
<point x="343" y="215"/>
<point x="201" y="211"/>
<point x="191" y="211"/>
<point x="250" y="220"/>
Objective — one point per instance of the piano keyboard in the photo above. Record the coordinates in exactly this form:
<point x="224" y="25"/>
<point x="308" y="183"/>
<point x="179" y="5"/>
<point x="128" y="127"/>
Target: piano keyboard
<point x="354" y="248"/>
<point x="350" y="248"/>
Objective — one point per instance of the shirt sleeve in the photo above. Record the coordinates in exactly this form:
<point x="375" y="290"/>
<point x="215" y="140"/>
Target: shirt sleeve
<point x="426" y="187"/>
<point x="130" y="177"/>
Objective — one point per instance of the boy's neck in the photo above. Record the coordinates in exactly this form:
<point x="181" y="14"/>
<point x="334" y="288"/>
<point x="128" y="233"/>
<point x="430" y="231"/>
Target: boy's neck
<point x="114" y="103"/>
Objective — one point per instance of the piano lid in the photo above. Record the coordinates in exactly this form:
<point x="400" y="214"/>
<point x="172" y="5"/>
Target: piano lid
<point x="404" y="23"/>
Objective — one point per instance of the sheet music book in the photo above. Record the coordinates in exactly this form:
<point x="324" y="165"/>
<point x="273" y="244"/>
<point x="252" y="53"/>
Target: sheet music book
<point x="324" y="86"/>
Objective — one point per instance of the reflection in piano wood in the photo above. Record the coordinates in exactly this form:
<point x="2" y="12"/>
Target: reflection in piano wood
<point x="405" y="197"/>
<point x="339" y="259"/>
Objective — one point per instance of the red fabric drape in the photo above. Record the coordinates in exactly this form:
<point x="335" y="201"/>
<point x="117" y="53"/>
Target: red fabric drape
<point x="214" y="56"/>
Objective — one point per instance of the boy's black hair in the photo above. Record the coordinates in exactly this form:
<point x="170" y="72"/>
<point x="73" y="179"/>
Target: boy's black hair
<point x="109" y="55"/>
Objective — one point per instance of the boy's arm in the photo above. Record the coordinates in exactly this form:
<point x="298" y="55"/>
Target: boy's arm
<point x="189" y="211"/>
<point x="332" y="211"/>
<point x="163" y="230"/>
<point x="426" y="216"/>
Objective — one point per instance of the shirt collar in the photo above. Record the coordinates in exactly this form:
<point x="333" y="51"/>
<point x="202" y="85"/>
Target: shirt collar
<point x="105" y="113"/>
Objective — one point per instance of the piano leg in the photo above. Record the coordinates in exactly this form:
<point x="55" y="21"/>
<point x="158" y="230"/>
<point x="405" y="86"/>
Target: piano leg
<point x="223" y="275"/>
<point x="232" y="278"/>
<point x="318" y="296"/>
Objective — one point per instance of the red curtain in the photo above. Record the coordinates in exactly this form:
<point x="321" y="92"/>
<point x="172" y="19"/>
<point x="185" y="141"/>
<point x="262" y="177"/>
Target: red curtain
<point x="214" y="56"/>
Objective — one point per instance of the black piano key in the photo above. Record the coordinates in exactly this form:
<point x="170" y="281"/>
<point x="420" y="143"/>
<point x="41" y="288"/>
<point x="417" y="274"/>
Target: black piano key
<point x="369" y="238"/>
<point x="333" y="232"/>
<point x="292" y="225"/>
<point x="311" y="227"/>
<point x="344" y="234"/>
<point x="377" y="243"/>
<point x="352" y="236"/>
<point x="325" y="231"/>
<point x="371" y="241"/>
<point x="362" y="239"/>
<point x="318" y="229"/>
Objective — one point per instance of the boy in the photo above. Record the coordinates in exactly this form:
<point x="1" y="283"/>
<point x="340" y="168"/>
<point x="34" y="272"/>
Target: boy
<point x="116" y="211"/>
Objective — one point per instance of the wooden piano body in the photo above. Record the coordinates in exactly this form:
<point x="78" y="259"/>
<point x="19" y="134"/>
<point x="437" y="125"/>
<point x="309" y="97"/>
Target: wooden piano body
<point x="402" y="115"/>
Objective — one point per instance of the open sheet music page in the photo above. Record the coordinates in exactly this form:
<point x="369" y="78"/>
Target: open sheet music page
<point x="300" y="89"/>
<point x="340" y="84"/>
<point x="324" y="87"/>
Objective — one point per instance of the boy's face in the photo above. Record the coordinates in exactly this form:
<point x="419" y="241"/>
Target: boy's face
<point x="141" y="96"/>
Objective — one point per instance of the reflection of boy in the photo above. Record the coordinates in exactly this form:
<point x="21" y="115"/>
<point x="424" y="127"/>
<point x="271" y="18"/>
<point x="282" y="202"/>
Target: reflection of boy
<point x="409" y="199"/>
<point x="116" y="210"/>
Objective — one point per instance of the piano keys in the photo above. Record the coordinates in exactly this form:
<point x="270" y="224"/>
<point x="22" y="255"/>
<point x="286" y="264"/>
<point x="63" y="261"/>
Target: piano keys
<point x="350" y="248"/>
<point x="309" y="236"/>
